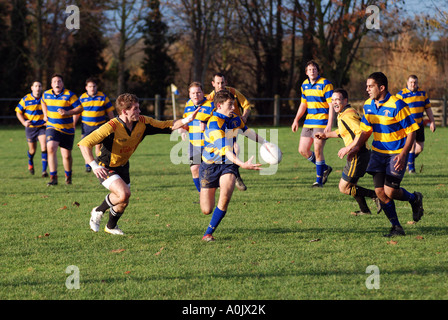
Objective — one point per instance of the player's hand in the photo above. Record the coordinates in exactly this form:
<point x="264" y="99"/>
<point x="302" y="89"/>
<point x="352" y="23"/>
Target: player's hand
<point x="432" y="126"/>
<point x="342" y="152"/>
<point x="62" y="112"/>
<point x="101" y="172"/>
<point x="400" y="162"/>
<point x="295" y="126"/>
<point x="251" y="166"/>
<point x="352" y="152"/>
<point x="320" y="135"/>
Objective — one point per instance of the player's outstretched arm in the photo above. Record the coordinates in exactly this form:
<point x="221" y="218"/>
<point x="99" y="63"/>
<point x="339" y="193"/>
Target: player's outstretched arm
<point x="248" y="165"/>
<point x="252" y="135"/>
<point x="181" y="122"/>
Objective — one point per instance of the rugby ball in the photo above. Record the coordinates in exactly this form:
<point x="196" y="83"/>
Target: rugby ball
<point x="270" y="153"/>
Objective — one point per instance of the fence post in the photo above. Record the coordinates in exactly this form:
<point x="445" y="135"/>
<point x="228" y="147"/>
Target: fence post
<point x="276" y="110"/>
<point x="157" y="107"/>
<point x="444" y="111"/>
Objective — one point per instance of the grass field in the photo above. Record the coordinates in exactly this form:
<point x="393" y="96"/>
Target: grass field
<point x="280" y="240"/>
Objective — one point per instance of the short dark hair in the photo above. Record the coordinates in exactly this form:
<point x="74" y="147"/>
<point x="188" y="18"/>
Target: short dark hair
<point x="91" y="79"/>
<point x="57" y="75"/>
<point x="342" y="92"/>
<point x="413" y="76"/>
<point x="222" y="96"/>
<point x="380" y="79"/>
<point x="314" y="63"/>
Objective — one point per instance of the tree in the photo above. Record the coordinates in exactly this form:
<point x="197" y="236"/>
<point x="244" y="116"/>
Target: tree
<point x="127" y="20"/>
<point x="84" y="53"/>
<point x="158" y="67"/>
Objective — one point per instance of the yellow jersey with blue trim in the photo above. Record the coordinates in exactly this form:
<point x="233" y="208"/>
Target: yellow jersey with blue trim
<point x="66" y="100"/>
<point x="31" y="109"/>
<point x="417" y="102"/>
<point x="195" y="134"/>
<point x="317" y="97"/>
<point x="241" y="103"/>
<point x="119" y="143"/>
<point x="390" y="124"/>
<point x="220" y="136"/>
<point x="95" y="108"/>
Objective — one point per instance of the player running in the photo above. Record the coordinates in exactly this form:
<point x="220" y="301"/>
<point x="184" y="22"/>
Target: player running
<point x="120" y="137"/>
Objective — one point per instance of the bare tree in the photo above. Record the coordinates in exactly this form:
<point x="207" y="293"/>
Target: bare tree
<point x="127" y="18"/>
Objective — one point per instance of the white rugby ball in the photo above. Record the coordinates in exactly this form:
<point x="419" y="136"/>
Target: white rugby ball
<point x="270" y="153"/>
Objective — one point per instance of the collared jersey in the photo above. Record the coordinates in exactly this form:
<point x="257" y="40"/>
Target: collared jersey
<point x="95" y="108"/>
<point x="118" y="143"/>
<point x="241" y="103"/>
<point x="349" y="122"/>
<point x="417" y="101"/>
<point x="65" y="100"/>
<point x="220" y="136"/>
<point x="390" y="123"/>
<point x="196" y="136"/>
<point x="317" y="98"/>
<point x="31" y="109"/>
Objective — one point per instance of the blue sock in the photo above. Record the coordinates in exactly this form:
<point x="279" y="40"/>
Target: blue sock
<point x="68" y="173"/>
<point x="218" y="214"/>
<point x="320" y="168"/>
<point x="53" y="173"/>
<point x="411" y="161"/>
<point x="312" y="158"/>
<point x="197" y="184"/>
<point x="407" y="196"/>
<point x="44" y="161"/>
<point x="30" y="158"/>
<point x="391" y="213"/>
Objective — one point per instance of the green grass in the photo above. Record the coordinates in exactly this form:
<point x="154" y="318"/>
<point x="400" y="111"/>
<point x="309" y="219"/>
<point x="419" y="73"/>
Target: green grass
<point x="264" y="248"/>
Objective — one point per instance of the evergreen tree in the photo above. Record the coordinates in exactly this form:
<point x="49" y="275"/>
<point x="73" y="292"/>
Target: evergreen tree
<point x="158" y="67"/>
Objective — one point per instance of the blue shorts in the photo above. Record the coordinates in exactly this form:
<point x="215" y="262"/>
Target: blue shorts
<point x="384" y="163"/>
<point x="32" y="133"/>
<point x="86" y="130"/>
<point x="209" y="174"/>
<point x="65" y="140"/>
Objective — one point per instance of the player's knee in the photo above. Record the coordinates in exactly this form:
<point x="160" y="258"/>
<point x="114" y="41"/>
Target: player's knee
<point x="206" y="211"/>
<point x="123" y="197"/>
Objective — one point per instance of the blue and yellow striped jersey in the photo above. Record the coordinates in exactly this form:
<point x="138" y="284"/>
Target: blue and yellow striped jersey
<point x="220" y="135"/>
<point x="417" y="101"/>
<point x="66" y="100"/>
<point x="317" y="97"/>
<point x="95" y="108"/>
<point x="390" y="124"/>
<point x="31" y="109"/>
<point x="241" y="103"/>
<point x="196" y="136"/>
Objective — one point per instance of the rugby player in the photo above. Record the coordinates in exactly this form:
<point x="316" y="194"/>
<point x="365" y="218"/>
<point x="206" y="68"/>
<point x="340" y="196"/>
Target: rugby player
<point x="219" y="161"/>
<point x="96" y="110"/>
<point x="389" y="120"/>
<point x="316" y="96"/>
<point x="348" y="129"/>
<point x="418" y="103"/>
<point x="59" y="105"/>
<point x="120" y="137"/>
<point x="242" y="109"/>
<point x="29" y="112"/>
<point x="197" y="126"/>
